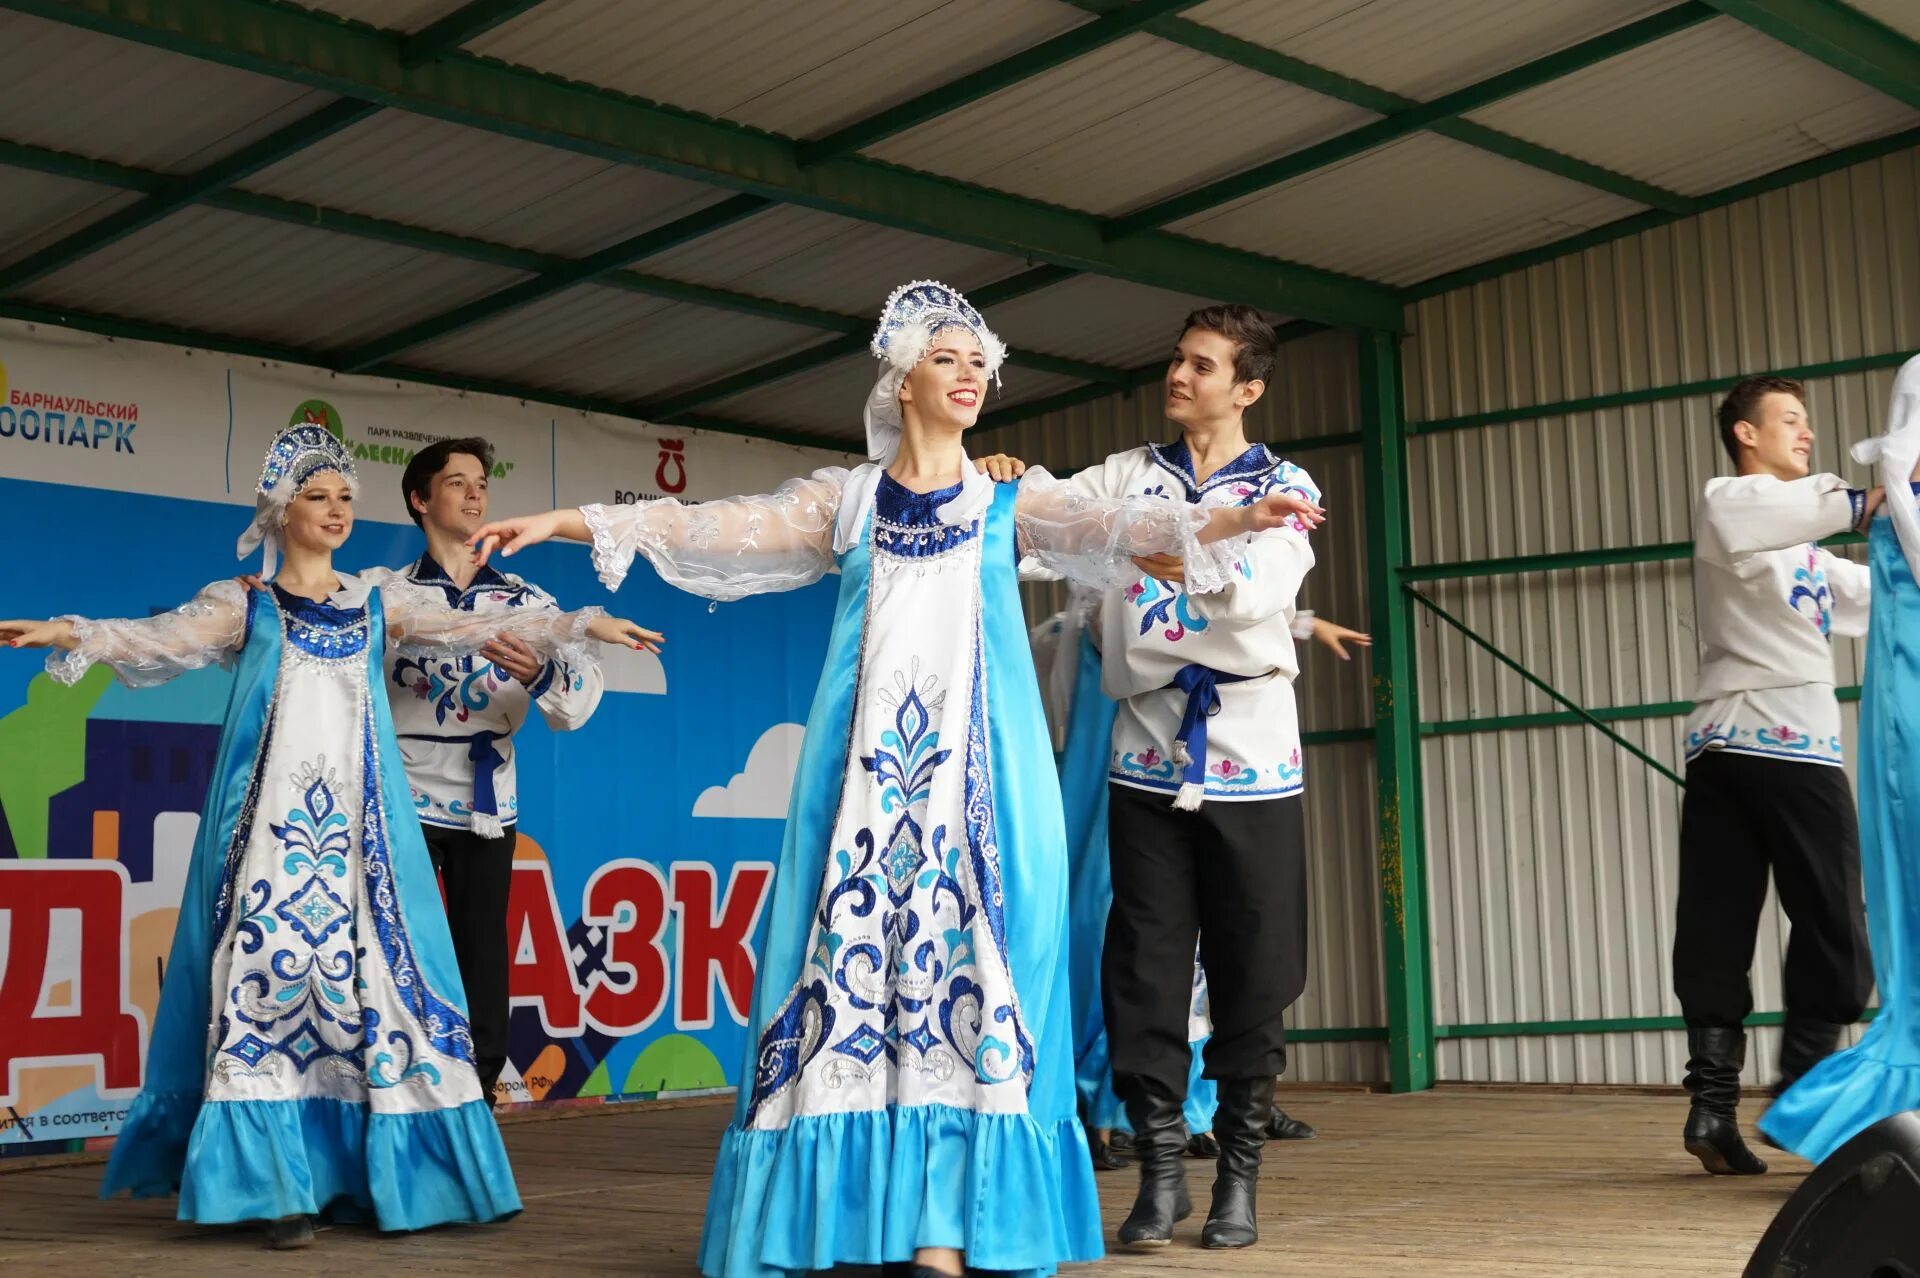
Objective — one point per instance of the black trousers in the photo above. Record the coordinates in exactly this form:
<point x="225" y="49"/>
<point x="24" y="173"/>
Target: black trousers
<point x="1743" y="816"/>
<point x="477" y="874"/>
<point x="1234" y="877"/>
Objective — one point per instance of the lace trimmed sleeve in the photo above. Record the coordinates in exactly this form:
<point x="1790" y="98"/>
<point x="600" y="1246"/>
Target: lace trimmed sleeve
<point x="1093" y="540"/>
<point x="419" y="619"/>
<point x="726" y="549"/>
<point x="147" y="651"/>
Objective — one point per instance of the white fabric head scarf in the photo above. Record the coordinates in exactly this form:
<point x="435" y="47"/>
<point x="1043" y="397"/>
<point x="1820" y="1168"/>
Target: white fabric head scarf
<point x="913" y="314"/>
<point x="296" y="456"/>
<point x="1898" y="451"/>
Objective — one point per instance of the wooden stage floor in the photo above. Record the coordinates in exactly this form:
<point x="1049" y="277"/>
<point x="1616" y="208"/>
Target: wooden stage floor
<point x="1448" y="1184"/>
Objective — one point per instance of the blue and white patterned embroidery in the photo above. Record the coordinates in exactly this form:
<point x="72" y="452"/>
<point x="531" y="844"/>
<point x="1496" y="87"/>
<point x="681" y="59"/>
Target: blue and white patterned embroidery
<point x="1161" y="603"/>
<point x="1811" y="597"/>
<point x="1783" y="737"/>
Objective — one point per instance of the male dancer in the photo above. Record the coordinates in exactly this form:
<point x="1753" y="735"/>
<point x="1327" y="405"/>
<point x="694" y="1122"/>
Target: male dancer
<point x="456" y="719"/>
<point x="1765" y="785"/>
<point x="1067" y="657"/>
<point x="1205" y="783"/>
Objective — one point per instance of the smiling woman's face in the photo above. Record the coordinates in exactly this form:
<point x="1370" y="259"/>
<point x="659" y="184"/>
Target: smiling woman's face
<point x="320" y="516"/>
<point x="947" y="387"/>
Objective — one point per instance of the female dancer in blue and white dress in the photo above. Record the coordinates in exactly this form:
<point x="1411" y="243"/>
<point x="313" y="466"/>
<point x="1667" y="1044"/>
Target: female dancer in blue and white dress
<point x="910" y="1089"/>
<point x="311" y="1049"/>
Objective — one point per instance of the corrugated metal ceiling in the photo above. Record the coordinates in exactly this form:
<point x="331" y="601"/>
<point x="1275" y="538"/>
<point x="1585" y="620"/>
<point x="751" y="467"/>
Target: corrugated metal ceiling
<point x="1417" y="47"/>
<point x="1703" y="109"/>
<point x="799" y="255"/>
<point x="112" y="100"/>
<point x="423" y="172"/>
<point x="1131" y="123"/>
<point x="222" y="272"/>
<point x="1409" y="211"/>
<point x="799" y="69"/>
<point x="1134" y="122"/>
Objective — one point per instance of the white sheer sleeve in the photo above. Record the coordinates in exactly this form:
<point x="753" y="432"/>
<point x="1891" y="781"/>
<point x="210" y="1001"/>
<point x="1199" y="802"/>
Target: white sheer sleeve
<point x="729" y="548"/>
<point x="1093" y="540"/>
<point x="147" y="651"/>
<point x="419" y="619"/>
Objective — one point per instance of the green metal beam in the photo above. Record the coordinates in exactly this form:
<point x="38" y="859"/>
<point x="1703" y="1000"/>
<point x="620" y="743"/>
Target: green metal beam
<point x="1282" y="66"/>
<point x="1610" y="556"/>
<point x="605" y="262"/>
<point x="170" y="335"/>
<point x="468" y="22"/>
<point x="320" y="218"/>
<point x="1413" y="120"/>
<point x="1656" y="394"/>
<point x="179" y="192"/>
<point x="1804" y="171"/>
<point x="326" y="52"/>
<point x="1512" y="564"/>
<point x="773" y="370"/>
<point x="1403" y="867"/>
<point x="1567" y="719"/>
<point x="1840" y="36"/>
<point x="1132" y="380"/>
<point x="1602" y="1025"/>
<point x="1123" y="21"/>
<point x="1553" y="694"/>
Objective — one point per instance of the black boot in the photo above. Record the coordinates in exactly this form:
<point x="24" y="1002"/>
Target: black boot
<point x="1246" y="1107"/>
<point x="1159" y="1135"/>
<point x="1715" y="1058"/>
<point x="1283" y="1126"/>
<point x="1804" y="1043"/>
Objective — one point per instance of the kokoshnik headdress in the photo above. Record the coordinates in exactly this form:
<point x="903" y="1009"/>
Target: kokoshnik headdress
<point x="908" y="323"/>
<point x="296" y="456"/>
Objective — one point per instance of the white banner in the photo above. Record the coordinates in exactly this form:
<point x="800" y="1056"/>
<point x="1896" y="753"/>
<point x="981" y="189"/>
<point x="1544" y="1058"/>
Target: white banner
<point x="101" y="413"/>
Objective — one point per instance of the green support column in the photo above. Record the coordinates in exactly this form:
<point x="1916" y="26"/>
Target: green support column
<point x="1396" y="718"/>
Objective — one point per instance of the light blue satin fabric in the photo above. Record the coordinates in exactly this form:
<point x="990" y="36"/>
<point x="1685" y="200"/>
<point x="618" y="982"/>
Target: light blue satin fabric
<point x="1014" y="1191"/>
<point x="232" y="1161"/>
<point x="1880" y="1076"/>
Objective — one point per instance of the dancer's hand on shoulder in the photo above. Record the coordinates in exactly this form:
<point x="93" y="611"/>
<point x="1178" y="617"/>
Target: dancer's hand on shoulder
<point x="626" y="634"/>
<point x="1001" y="468"/>
<point x="251" y="581"/>
<point x="38" y="634"/>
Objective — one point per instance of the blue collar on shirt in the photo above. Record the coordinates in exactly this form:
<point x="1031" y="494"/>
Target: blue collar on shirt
<point x="1257" y="462"/>
<point x="427" y="572"/>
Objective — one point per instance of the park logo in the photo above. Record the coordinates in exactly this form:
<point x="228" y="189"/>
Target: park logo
<point x="363" y="446"/>
<point x="30" y="415"/>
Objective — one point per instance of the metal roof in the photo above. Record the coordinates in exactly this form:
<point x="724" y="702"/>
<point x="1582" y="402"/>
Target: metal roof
<point x="692" y="209"/>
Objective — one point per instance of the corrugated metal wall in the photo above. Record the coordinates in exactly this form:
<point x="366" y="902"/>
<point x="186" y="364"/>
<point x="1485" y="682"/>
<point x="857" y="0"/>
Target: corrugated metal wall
<point x="1552" y="852"/>
<point x="1315" y="392"/>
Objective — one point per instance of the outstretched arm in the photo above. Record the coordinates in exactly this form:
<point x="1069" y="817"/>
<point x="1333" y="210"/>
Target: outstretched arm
<point x="1094" y="540"/>
<point x="143" y="651"/>
<point x="725" y="549"/>
<point x="418" y="617"/>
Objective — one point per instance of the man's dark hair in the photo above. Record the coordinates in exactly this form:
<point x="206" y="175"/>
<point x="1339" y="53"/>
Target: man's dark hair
<point x="1253" y="341"/>
<point x="431" y="460"/>
<point x="1743" y="402"/>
